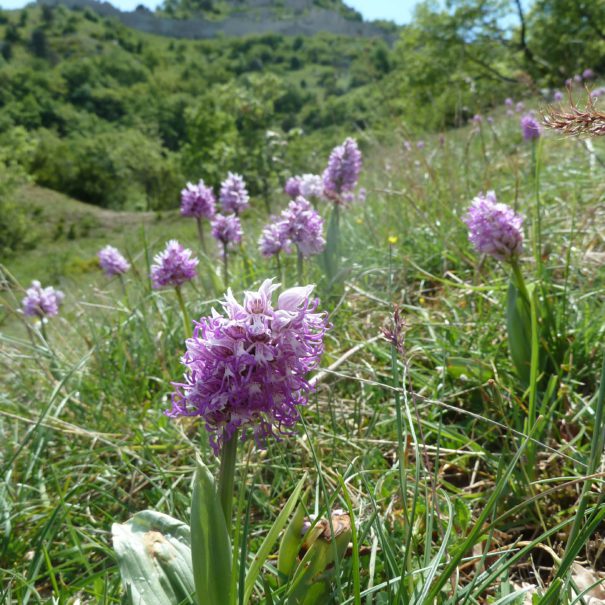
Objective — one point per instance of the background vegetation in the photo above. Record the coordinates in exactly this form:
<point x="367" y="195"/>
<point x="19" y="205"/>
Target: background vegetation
<point x="100" y="127"/>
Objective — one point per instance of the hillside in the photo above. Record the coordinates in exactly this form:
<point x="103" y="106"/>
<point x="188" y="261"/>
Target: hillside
<point x="120" y="118"/>
<point x="209" y="20"/>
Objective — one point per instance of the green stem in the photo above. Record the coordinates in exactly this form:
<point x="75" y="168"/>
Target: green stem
<point x="538" y="210"/>
<point x="226" y="265"/>
<point x="186" y="320"/>
<point x="124" y="291"/>
<point x="519" y="280"/>
<point x="299" y="266"/>
<point x="43" y="330"/>
<point x="200" y="233"/>
<point x="337" y="223"/>
<point x="280" y="270"/>
<point x="226" y="478"/>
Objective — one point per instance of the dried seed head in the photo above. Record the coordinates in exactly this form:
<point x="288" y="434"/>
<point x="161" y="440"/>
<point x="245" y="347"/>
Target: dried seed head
<point x="576" y="121"/>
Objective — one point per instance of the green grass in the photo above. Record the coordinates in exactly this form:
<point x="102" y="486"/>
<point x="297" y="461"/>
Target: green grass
<point x="431" y="444"/>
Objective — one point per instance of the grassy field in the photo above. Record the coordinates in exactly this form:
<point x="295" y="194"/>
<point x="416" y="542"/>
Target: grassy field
<point x="451" y="500"/>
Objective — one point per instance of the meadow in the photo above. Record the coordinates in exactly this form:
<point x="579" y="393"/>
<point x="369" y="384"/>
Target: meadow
<point x="463" y="480"/>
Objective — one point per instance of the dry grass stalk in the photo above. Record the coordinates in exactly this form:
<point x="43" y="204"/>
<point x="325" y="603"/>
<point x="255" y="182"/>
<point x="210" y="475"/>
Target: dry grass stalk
<point x="587" y="121"/>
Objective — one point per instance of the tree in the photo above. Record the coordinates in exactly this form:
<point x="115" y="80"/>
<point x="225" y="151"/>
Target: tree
<point x="39" y="44"/>
<point x="569" y="35"/>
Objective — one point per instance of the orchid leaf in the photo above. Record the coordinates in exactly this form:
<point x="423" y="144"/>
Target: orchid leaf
<point x="153" y="552"/>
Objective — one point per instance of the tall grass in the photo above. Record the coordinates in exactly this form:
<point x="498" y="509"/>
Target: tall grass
<point x="425" y="447"/>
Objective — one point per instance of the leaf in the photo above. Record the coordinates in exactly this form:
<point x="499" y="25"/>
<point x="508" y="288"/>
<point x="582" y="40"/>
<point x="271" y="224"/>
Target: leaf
<point x="271" y="539"/>
<point x="518" y="321"/>
<point x="210" y="543"/>
<point x="154" y="556"/>
<point x="331" y="255"/>
<point x="310" y="584"/>
<point x="290" y="544"/>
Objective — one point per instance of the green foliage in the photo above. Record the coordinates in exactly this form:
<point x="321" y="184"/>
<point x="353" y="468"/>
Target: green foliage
<point x="122" y="119"/>
<point x="154" y="555"/>
<point x="121" y="169"/>
<point x="16" y="225"/>
<point x="567" y="37"/>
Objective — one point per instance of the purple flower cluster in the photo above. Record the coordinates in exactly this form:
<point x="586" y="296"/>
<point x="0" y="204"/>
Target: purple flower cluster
<point x="530" y="128"/>
<point x="234" y="195"/>
<point x="299" y="224"/>
<point x="292" y="187"/>
<point x="494" y="228"/>
<point x="342" y="173"/>
<point x="311" y="186"/>
<point x="174" y="266"/>
<point x="303" y="226"/>
<point x="198" y="201"/>
<point x="112" y="262"/>
<point x="557" y="96"/>
<point x="41" y="302"/>
<point x="273" y="238"/>
<point x="307" y="185"/>
<point x="247" y="367"/>
<point x="588" y="74"/>
<point x="227" y="229"/>
<point x="597" y="92"/>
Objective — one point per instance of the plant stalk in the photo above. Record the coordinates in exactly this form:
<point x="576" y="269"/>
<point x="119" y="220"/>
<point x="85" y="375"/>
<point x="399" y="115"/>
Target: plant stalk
<point x="519" y="280"/>
<point x="200" y="233"/>
<point x="226" y="265"/>
<point x="226" y="478"/>
<point x="186" y="320"/>
<point x="299" y="266"/>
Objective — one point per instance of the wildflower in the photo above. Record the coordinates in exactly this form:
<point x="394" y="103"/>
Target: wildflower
<point x="392" y="239"/>
<point x="530" y="128"/>
<point x="343" y="170"/>
<point x="174" y="266"/>
<point x="274" y="238"/>
<point x="41" y="302"/>
<point x="557" y="96"/>
<point x="490" y="120"/>
<point x="246" y="367"/>
<point x="588" y="74"/>
<point x="519" y="107"/>
<point x="303" y="226"/>
<point x="198" y="201"/>
<point x="494" y="228"/>
<point x="292" y="187"/>
<point x="227" y="229"/>
<point x="362" y="194"/>
<point x="577" y="78"/>
<point x="477" y="119"/>
<point x="234" y="195"/>
<point x="597" y="92"/>
<point x="509" y="102"/>
<point x="420" y="144"/>
<point x="311" y="186"/>
<point x="112" y="262"/>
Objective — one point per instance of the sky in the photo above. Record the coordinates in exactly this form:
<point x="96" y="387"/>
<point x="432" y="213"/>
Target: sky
<point x="399" y="11"/>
